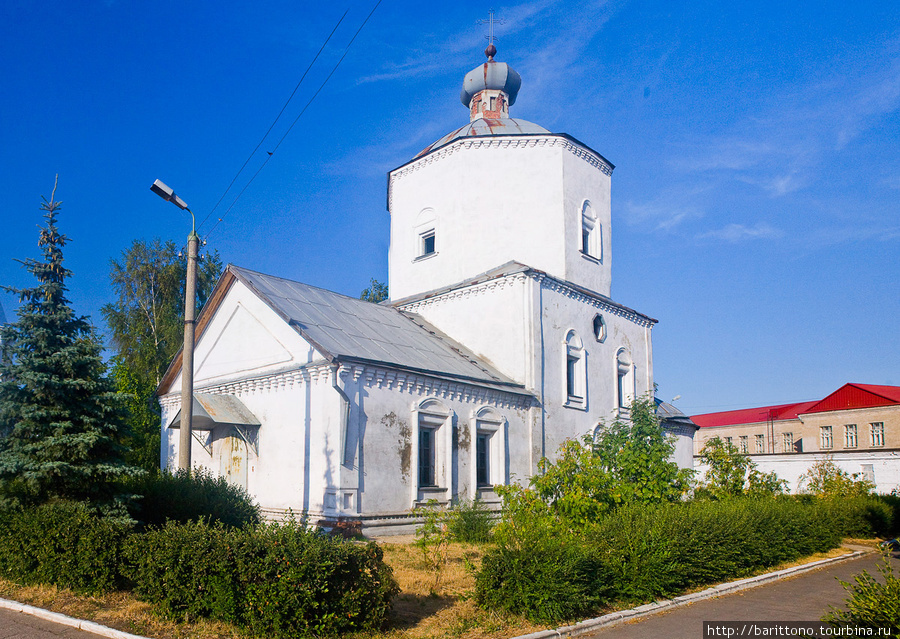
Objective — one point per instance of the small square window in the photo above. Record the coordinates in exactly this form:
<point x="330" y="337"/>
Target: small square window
<point x="787" y="442"/>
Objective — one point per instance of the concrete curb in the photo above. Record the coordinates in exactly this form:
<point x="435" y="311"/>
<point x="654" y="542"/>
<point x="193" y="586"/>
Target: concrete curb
<point x="658" y="606"/>
<point x="65" y="620"/>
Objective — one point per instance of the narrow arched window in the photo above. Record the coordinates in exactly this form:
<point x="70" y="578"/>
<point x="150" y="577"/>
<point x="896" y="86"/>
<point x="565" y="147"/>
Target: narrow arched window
<point x="575" y="371"/>
<point x="624" y="378"/>
<point x="591" y="232"/>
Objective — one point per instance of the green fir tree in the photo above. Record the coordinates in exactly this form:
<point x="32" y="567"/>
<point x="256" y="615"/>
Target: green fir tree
<point x="60" y="412"/>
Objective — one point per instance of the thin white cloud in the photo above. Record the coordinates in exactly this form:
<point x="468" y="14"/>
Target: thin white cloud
<point x="663" y="214"/>
<point x="735" y="233"/>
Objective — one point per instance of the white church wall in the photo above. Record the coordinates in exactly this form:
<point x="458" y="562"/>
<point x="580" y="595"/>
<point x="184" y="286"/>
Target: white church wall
<point x="494" y="200"/>
<point x="586" y="192"/>
<point x="394" y="402"/>
<point x="502" y="334"/>
<point x="567" y="312"/>
<point x="246" y="338"/>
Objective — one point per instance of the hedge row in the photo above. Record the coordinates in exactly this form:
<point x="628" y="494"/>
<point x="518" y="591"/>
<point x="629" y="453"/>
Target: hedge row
<point x="276" y="580"/>
<point x="545" y="570"/>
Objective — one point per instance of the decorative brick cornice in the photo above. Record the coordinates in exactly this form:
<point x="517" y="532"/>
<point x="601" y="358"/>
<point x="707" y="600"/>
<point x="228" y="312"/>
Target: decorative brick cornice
<point x="421" y="386"/>
<point x="263" y="383"/>
<point x="410" y="383"/>
<point x="474" y="290"/>
<point x="564" y="288"/>
<point x="499" y="142"/>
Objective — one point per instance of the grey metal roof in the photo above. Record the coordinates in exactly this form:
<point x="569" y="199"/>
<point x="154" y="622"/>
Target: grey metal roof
<point x="668" y="414"/>
<point x="487" y="127"/>
<point x="345" y="328"/>
<point x="510" y="268"/>
<point x="210" y="410"/>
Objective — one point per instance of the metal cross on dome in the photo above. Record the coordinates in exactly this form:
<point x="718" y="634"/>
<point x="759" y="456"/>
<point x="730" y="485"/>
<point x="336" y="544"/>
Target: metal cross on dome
<point x="491" y="21"/>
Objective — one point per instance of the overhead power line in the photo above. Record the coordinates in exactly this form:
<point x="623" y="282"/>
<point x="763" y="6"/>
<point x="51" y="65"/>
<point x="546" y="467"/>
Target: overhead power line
<point x="319" y="90"/>
<point x="277" y="117"/>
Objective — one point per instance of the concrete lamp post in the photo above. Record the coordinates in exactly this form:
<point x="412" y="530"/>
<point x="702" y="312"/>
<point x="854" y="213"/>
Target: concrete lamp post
<point x="187" y="356"/>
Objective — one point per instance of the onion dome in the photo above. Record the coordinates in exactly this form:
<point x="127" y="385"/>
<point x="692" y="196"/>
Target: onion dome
<point x="493" y="77"/>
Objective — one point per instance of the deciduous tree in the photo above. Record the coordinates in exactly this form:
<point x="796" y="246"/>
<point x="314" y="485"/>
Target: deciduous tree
<point x="146" y="324"/>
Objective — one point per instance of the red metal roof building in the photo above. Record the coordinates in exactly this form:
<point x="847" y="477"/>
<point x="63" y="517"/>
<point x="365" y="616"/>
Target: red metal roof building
<point x="858" y="425"/>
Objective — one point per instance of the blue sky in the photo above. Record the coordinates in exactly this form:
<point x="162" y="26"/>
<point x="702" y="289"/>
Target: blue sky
<point x="755" y="196"/>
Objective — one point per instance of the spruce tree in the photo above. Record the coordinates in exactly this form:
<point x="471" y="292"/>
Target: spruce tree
<point x="60" y="412"/>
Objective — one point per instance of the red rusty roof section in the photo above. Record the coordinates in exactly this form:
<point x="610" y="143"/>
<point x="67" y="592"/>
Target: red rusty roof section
<point x="847" y="397"/>
<point x="851" y="396"/>
<point x="751" y="415"/>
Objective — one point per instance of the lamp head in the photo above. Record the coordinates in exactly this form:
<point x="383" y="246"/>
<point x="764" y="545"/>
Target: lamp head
<point x="167" y="194"/>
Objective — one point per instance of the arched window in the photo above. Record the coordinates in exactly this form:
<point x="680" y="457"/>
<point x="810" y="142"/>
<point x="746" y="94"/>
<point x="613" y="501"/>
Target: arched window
<point x="591" y="232"/>
<point x="431" y="450"/>
<point x="575" y="372"/>
<point x="624" y="378"/>
<point x="599" y="328"/>
<point x="490" y="466"/>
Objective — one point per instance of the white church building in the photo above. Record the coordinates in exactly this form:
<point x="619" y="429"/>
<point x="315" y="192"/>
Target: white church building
<point x="499" y="341"/>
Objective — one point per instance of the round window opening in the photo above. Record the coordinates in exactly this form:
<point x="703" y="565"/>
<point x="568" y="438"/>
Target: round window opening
<point x="599" y="328"/>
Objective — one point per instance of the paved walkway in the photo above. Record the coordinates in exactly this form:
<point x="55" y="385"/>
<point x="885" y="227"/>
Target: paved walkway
<point x="803" y="598"/>
<point x="15" y="625"/>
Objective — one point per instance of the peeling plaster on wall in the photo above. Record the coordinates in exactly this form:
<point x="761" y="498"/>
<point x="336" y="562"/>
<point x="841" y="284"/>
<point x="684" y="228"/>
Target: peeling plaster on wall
<point x="464" y="437"/>
<point x="404" y="441"/>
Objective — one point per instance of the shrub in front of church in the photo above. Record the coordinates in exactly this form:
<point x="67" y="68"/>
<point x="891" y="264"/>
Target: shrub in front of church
<point x="194" y="496"/>
<point x="540" y="566"/>
<point x="278" y="580"/>
<point x="552" y="568"/>
<point x="62" y="543"/>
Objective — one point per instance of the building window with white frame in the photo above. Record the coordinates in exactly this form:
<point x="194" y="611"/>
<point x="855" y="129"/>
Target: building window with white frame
<point x="760" y="443"/>
<point x="624" y="378"/>
<point x="575" y="371"/>
<point x="850" y="436"/>
<point x="877" y="434"/>
<point x="489" y="465"/>
<point x="591" y="233"/>
<point x="826" y="437"/>
<point x="432" y="445"/>
<point x="426" y="234"/>
<point x="729" y="441"/>
<point x="744" y="444"/>
<point x="787" y="442"/>
<point x="426" y="456"/>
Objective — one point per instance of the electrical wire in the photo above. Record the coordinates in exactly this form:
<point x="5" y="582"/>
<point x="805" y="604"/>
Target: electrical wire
<point x="271" y="153"/>
<point x="275" y="121"/>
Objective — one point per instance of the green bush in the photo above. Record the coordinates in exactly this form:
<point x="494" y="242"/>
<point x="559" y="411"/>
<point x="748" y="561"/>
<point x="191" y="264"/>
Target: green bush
<point x="277" y="580"/>
<point x="471" y="522"/>
<point x="552" y="569"/>
<point x="194" y="496"/>
<point x="62" y="543"/>
<point x="871" y="604"/>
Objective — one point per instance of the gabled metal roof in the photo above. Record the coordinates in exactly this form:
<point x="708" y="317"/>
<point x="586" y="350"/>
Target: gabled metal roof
<point x="349" y="329"/>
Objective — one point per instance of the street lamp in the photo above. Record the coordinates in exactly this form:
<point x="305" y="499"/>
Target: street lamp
<point x="187" y="356"/>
